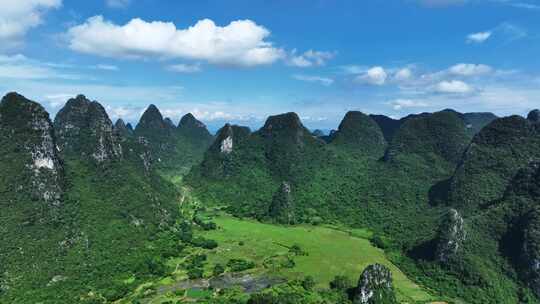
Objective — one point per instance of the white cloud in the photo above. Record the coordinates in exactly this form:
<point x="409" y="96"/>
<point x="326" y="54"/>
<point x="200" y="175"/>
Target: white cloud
<point x="18" y="17"/>
<point x="400" y="104"/>
<point x="317" y="79"/>
<point x="470" y="69"/>
<point x="185" y="68"/>
<point x="241" y="43"/>
<point x="20" y="67"/>
<point x="479" y="37"/>
<point x="453" y="87"/>
<point x="117" y="3"/>
<point x="374" y="76"/>
<point x="310" y="58"/>
<point x="505" y="32"/>
<point x="403" y="75"/>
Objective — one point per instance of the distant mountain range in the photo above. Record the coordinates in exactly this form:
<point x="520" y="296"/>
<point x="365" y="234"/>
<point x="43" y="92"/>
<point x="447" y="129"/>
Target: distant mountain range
<point x="454" y="196"/>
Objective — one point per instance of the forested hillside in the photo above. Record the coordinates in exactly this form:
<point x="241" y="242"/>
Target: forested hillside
<point x="434" y="206"/>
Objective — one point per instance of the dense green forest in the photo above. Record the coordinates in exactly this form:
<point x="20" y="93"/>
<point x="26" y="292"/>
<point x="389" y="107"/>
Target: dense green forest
<point x="434" y="207"/>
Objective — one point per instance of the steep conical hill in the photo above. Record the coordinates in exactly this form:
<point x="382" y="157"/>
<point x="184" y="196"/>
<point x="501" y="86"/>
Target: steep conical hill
<point x="360" y="133"/>
<point x="492" y="159"/>
<point x="441" y="136"/>
<point x="83" y="128"/>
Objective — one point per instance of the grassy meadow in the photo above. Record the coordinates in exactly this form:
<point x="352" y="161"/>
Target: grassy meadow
<point x="330" y="252"/>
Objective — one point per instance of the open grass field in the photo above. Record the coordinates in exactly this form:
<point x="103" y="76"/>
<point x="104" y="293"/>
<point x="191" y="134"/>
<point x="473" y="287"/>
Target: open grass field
<point x="330" y="252"/>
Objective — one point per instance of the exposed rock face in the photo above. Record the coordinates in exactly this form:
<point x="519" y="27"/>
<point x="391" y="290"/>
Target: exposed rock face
<point x="452" y="234"/>
<point x="375" y="286"/>
<point x="226" y="145"/>
<point x="360" y="133"/>
<point x="28" y="145"/>
<point x="281" y="209"/>
<point x="83" y="128"/>
<point x="228" y="137"/>
<point x="145" y="154"/>
<point x="534" y="116"/>
<point x="218" y="159"/>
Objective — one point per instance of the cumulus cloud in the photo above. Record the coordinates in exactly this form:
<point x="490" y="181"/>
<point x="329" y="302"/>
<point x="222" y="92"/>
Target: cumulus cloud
<point x="403" y="75"/>
<point x="373" y="76"/>
<point x="18" y="17"/>
<point x="185" y="68"/>
<point x="453" y="87"/>
<point x="470" y="69"/>
<point x="240" y="43"/>
<point x="317" y="79"/>
<point x="479" y="37"/>
<point x="310" y="58"/>
<point x="401" y="104"/>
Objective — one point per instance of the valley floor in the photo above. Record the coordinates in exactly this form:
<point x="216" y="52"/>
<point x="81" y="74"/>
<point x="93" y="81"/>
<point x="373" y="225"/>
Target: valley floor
<point x="329" y="251"/>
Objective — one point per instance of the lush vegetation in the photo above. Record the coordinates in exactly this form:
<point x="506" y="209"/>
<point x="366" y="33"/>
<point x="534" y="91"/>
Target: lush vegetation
<point x="93" y="213"/>
<point x="402" y="197"/>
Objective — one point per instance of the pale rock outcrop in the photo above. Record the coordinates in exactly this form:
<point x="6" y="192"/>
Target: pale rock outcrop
<point x="452" y="234"/>
<point x="25" y="125"/>
<point x="375" y="286"/>
<point x="84" y="128"/>
<point x="227" y="145"/>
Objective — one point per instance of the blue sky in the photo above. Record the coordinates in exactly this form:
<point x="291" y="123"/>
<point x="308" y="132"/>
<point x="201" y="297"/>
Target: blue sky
<point x="241" y="61"/>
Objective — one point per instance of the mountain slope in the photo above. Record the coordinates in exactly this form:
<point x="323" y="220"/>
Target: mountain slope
<point x="96" y="216"/>
<point x="436" y="139"/>
<point x="492" y="159"/>
<point x="361" y="134"/>
<point x="174" y="150"/>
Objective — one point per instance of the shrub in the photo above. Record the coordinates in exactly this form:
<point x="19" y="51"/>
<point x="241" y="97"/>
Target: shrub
<point x="218" y="269"/>
<point x="204" y="243"/>
<point x="341" y="283"/>
<point x="195" y="273"/>
<point x="237" y="265"/>
<point x="297" y="250"/>
<point x="308" y="283"/>
<point x="380" y="241"/>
